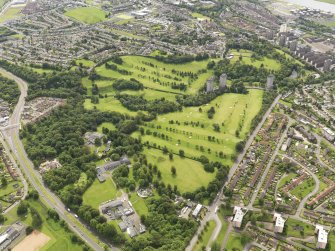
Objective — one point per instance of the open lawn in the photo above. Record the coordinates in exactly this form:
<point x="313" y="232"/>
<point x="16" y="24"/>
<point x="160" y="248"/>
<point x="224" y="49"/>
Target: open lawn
<point x="139" y="204"/>
<point x="199" y="16"/>
<point x="327" y="1"/>
<point x="100" y="192"/>
<point x="10" y="14"/>
<point x="268" y="63"/>
<point x="190" y="174"/>
<point x="206" y="235"/>
<point x="232" y="111"/>
<point x="234" y="242"/>
<point x="109" y="126"/>
<point x="303" y="189"/>
<point x="298" y="229"/>
<point x="89" y="15"/>
<point x="286" y="179"/>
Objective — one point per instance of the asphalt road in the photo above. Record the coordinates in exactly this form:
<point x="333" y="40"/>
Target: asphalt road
<point x="211" y="210"/>
<point x="11" y="135"/>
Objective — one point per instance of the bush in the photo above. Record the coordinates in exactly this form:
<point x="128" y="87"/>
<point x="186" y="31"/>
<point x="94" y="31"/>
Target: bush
<point x="29" y="230"/>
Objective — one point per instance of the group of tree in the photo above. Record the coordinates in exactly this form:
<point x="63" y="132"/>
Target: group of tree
<point x="9" y="91"/>
<point x="138" y="103"/>
<point x="124" y="84"/>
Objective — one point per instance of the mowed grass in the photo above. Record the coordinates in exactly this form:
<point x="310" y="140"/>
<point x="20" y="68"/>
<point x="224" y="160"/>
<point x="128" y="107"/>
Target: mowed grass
<point x="190" y="174"/>
<point x="232" y="111"/>
<point x="10" y="14"/>
<point x="267" y="63"/>
<point x="303" y="189"/>
<point x="200" y="16"/>
<point x="107" y="125"/>
<point x="206" y="235"/>
<point x="147" y="74"/>
<point x="100" y="192"/>
<point x="88" y="15"/>
<point x="234" y="242"/>
<point x="298" y="229"/>
<point x="327" y="1"/>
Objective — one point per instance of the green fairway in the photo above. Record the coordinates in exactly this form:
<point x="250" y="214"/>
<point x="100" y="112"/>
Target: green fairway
<point x="100" y="192"/>
<point x="205" y="236"/>
<point x="246" y="55"/>
<point x="148" y="70"/>
<point x="232" y="111"/>
<point x="109" y="126"/>
<point x="327" y="1"/>
<point x="108" y="104"/>
<point x="190" y="174"/>
<point x="89" y="15"/>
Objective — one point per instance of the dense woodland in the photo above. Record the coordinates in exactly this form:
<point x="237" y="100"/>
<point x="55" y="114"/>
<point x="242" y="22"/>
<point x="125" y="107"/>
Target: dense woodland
<point x="9" y="91"/>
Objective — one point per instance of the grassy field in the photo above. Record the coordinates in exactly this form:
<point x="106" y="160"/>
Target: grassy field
<point x="286" y="180"/>
<point x="10" y="14"/>
<point x="190" y="174"/>
<point x="234" y="242"/>
<point x="88" y="15"/>
<point x="100" y="192"/>
<point x="147" y="75"/>
<point x="298" y="229"/>
<point x="327" y="1"/>
<point x="268" y="63"/>
<point x="303" y="189"/>
<point x="109" y="126"/>
<point x="206" y="235"/>
<point x="199" y="16"/>
<point x="60" y="239"/>
<point x="232" y="110"/>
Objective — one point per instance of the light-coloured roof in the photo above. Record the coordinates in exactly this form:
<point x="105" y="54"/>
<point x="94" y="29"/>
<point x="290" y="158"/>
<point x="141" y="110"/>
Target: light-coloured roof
<point x="3" y="237"/>
<point x="238" y="217"/>
<point x="197" y="210"/>
<point x="322" y="234"/>
<point x="280" y="221"/>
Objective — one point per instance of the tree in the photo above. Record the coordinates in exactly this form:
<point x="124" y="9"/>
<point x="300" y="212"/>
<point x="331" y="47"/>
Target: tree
<point x="181" y="153"/>
<point x="171" y="156"/>
<point x="22" y="209"/>
<point x="173" y="171"/>
<point x="4" y="182"/>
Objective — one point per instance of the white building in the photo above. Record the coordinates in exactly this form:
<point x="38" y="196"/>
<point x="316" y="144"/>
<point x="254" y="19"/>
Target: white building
<point x="328" y="134"/>
<point x="322" y="237"/>
<point x="238" y="217"/>
<point x="197" y="210"/>
<point x="279" y="224"/>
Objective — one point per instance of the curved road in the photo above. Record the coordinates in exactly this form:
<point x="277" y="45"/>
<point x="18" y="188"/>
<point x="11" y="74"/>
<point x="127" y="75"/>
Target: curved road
<point x="11" y="135"/>
<point x="315" y="190"/>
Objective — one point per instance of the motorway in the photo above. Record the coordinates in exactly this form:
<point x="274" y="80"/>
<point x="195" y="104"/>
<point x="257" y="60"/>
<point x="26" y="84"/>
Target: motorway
<point x="11" y="136"/>
<point x="211" y="210"/>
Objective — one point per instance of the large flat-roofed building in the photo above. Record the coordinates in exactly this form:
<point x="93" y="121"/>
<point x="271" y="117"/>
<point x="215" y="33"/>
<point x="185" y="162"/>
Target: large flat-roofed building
<point x="238" y="217"/>
<point x="279" y="223"/>
<point x="197" y="210"/>
<point x="322" y="238"/>
<point x="328" y="134"/>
